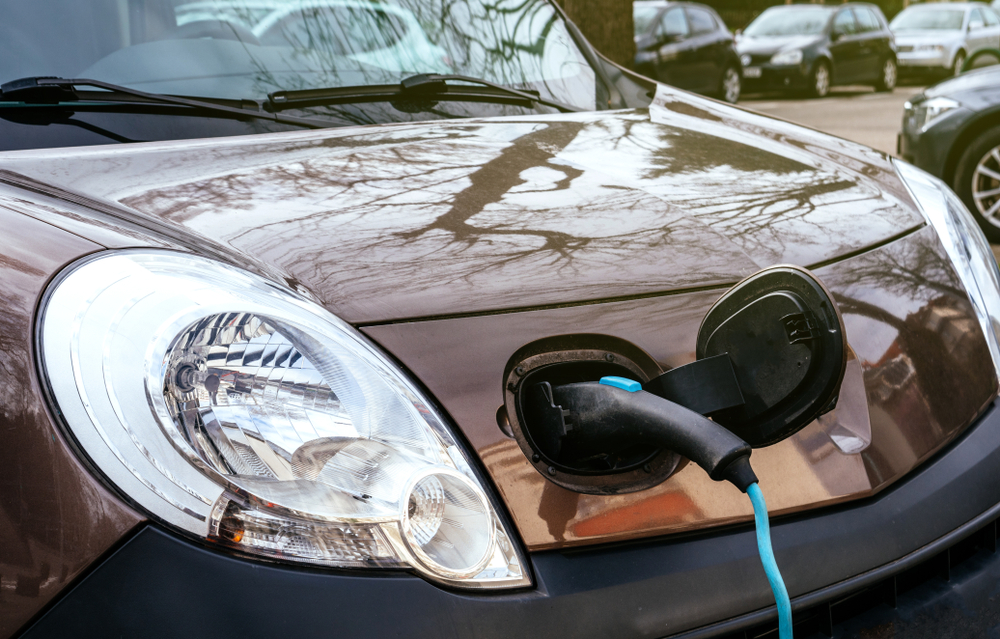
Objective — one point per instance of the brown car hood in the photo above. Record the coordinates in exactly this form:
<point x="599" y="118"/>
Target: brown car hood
<point x="452" y="217"/>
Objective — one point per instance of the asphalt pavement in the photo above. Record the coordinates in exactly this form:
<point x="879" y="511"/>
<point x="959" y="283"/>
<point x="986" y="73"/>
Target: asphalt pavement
<point x="855" y="113"/>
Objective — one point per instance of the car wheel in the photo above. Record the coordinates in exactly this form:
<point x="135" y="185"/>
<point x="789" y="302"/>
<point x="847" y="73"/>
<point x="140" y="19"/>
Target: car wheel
<point x="819" y="80"/>
<point x="887" y="80"/>
<point x="731" y="85"/>
<point x="956" y="68"/>
<point x="977" y="181"/>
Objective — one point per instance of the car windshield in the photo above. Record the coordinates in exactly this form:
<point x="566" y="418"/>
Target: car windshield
<point x="643" y="16"/>
<point x="236" y="49"/>
<point x="787" y="22"/>
<point x="928" y="19"/>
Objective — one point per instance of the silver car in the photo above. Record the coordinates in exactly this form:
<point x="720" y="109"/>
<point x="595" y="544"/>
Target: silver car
<point x="941" y="37"/>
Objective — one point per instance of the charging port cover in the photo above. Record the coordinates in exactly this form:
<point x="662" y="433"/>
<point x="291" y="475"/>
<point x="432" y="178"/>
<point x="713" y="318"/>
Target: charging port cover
<point x="785" y="338"/>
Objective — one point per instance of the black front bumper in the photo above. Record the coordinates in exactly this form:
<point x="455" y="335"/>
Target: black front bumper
<point x="159" y="585"/>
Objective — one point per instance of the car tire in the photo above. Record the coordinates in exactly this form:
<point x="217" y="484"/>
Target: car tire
<point x="978" y="172"/>
<point x="887" y="78"/>
<point x="731" y="85"/>
<point x="819" y="79"/>
<point x="956" y="67"/>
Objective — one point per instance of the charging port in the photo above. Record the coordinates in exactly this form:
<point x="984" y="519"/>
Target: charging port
<point x="568" y="360"/>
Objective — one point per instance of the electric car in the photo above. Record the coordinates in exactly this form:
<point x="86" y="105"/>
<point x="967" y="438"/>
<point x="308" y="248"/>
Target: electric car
<point x="292" y="344"/>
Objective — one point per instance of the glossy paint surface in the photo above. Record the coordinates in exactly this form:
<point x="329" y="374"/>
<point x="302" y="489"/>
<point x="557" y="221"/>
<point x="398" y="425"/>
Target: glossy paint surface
<point x="55" y="516"/>
<point x="918" y="376"/>
<point x="496" y="233"/>
<point x="419" y="220"/>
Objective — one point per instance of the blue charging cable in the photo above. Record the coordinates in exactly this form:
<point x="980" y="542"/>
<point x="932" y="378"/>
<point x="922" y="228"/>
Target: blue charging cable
<point x="770" y="565"/>
<point x="760" y="517"/>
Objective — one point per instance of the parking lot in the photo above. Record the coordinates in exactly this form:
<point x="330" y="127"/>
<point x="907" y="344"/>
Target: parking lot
<point x="855" y="112"/>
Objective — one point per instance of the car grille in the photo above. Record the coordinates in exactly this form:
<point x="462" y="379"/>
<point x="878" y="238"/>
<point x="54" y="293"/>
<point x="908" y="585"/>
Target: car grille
<point x="822" y="620"/>
<point x="905" y="48"/>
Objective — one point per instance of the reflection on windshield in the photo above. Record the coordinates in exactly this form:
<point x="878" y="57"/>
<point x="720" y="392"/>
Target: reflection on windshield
<point x="784" y="22"/>
<point x="249" y="48"/>
<point x="937" y="19"/>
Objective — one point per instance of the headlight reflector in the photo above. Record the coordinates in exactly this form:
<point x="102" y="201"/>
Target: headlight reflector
<point x="966" y="245"/>
<point x="243" y="414"/>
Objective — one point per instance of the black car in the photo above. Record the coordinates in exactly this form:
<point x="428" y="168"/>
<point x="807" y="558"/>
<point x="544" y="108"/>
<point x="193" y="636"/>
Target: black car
<point x="814" y="47"/>
<point x="952" y="130"/>
<point x="688" y="46"/>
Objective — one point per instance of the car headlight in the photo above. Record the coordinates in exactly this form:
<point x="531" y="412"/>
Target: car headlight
<point x="966" y="245"/>
<point x="245" y="415"/>
<point x="787" y="57"/>
<point x="923" y="114"/>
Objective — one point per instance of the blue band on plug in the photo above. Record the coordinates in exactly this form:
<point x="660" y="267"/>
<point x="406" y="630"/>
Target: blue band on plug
<point x="622" y="383"/>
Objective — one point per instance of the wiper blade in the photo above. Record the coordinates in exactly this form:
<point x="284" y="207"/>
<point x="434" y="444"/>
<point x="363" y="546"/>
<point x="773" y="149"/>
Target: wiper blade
<point x="425" y="85"/>
<point x="54" y="91"/>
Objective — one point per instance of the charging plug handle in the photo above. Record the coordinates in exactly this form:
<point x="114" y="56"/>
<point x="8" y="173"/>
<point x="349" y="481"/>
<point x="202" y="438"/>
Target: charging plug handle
<point x="605" y="418"/>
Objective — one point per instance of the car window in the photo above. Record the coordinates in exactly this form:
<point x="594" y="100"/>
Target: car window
<point x="990" y="17"/>
<point x="844" y="23"/>
<point x="700" y="20"/>
<point x="246" y="49"/>
<point x="673" y="24"/>
<point x="643" y="16"/>
<point x="923" y="19"/>
<point x="867" y="22"/>
<point x="976" y="19"/>
<point x="784" y="21"/>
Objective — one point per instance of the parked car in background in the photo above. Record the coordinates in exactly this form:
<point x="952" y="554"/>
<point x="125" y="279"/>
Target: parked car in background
<point x="814" y="47"/>
<point x="688" y="46"/>
<point x="952" y="130"/>
<point x="940" y="37"/>
<point x="267" y="373"/>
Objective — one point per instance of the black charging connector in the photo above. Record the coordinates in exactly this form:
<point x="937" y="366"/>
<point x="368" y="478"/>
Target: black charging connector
<point x="600" y="417"/>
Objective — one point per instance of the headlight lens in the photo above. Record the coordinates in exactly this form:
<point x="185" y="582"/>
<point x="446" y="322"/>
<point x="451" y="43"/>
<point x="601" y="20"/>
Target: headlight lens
<point x="787" y="57"/>
<point x="242" y="414"/>
<point x="925" y="113"/>
<point x="967" y="247"/>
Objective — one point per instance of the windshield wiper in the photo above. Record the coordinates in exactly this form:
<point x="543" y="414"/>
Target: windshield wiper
<point x="425" y="85"/>
<point x="55" y="91"/>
